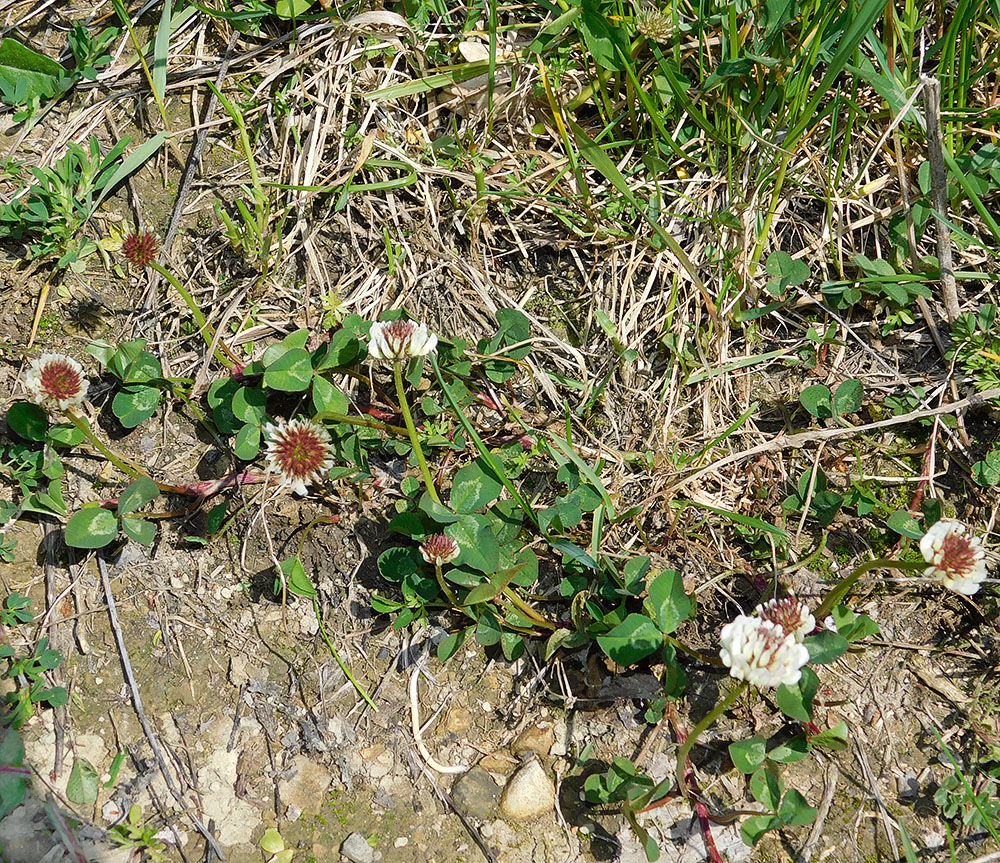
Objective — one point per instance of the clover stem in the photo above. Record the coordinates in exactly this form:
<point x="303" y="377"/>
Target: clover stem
<point x="404" y="407"/>
<point x="128" y="467"/>
<point x="322" y="631"/>
<point x="690" y="651"/>
<point x="445" y="589"/>
<point x="363" y="422"/>
<point x="839" y="591"/>
<point x="204" y="327"/>
<point x="696" y="732"/>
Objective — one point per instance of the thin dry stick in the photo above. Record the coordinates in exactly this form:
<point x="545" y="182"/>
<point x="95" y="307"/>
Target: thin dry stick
<point x="805" y="855"/>
<point x="141" y="713"/>
<point x="57" y="639"/>
<point x="889" y="824"/>
<point x="911" y="241"/>
<point x="794" y="441"/>
<point x="939" y="189"/>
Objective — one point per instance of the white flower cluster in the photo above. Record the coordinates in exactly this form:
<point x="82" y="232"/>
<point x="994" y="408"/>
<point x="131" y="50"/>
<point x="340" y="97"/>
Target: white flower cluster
<point x="956" y="558"/>
<point x="761" y="652"/>
<point x="400" y="340"/>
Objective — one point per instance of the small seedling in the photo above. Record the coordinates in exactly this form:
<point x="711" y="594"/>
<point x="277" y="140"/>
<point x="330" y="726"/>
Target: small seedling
<point x="17" y="609"/>
<point x="141" y="837"/>
<point x="29" y="672"/>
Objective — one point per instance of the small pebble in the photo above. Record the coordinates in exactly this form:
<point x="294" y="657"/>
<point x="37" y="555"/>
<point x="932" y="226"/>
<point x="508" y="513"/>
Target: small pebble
<point x="112" y="812"/>
<point x="356" y="849"/>
<point x="529" y="793"/>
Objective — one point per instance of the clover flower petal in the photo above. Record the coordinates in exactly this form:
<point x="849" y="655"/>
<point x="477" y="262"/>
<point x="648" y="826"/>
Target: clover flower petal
<point x="761" y="652"/>
<point x="957" y="559"/>
<point x="790" y="614"/>
<point x="439" y="548"/>
<point x="55" y="381"/>
<point x="400" y="340"/>
<point x="299" y="451"/>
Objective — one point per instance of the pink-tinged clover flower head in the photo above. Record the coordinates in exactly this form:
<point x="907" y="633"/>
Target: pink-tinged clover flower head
<point x="299" y="452"/>
<point x="790" y="614"/>
<point x="761" y="652"/>
<point x="400" y="340"/>
<point x="56" y="382"/>
<point x="140" y="250"/>
<point x="956" y="558"/>
<point x="439" y="549"/>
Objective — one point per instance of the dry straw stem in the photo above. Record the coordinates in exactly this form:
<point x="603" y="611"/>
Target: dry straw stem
<point x="141" y="713"/>
<point x="939" y="189"/>
<point x="802" y="439"/>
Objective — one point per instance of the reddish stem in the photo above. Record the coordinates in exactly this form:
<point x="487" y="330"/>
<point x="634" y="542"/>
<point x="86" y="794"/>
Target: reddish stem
<point x="700" y="809"/>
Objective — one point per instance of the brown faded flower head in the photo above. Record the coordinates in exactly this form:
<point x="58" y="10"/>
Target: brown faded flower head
<point x="140" y="250"/>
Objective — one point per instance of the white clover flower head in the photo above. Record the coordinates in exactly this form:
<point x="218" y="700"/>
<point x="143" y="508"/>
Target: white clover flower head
<point x="790" y="614"/>
<point x="55" y="382"/>
<point x="653" y="23"/>
<point x="956" y="558"/>
<point x="400" y="340"/>
<point x="439" y="548"/>
<point x="299" y="451"/>
<point x="761" y="652"/>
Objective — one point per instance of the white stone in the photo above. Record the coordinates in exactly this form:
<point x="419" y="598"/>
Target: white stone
<point x="356" y="849"/>
<point x="306" y="789"/>
<point x="112" y="812"/>
<point x="529" y="793"/>
<point x="236" y="818"/>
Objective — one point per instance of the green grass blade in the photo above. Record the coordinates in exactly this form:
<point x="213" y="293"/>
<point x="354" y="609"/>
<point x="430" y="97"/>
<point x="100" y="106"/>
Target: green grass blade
<point x="161" y="50"/>
<point x="434" y="81"/>
<point x="131" y="164"/>
<point x="859" y="28"/>
<point x="587" y="471"/>
<point x="968" y="788"/>
<point x="746" y="520"/>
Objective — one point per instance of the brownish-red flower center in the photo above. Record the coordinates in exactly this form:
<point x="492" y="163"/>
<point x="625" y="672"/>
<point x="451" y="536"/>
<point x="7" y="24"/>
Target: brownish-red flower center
<point x="957" y="554"/>
<point x="439" y="548"/>
<point x="300" y="452"/>
<point x="60" y="381"/>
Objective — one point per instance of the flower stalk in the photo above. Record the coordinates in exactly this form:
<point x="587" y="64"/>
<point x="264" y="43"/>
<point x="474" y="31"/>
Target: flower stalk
<point x="404" y="407"/>
<point x="347" y="672"/>
<point x="685" y="748"/>
<point x="839" y="591"/>
<point x="125" y="466"/>
<point x="204" y="327"/>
